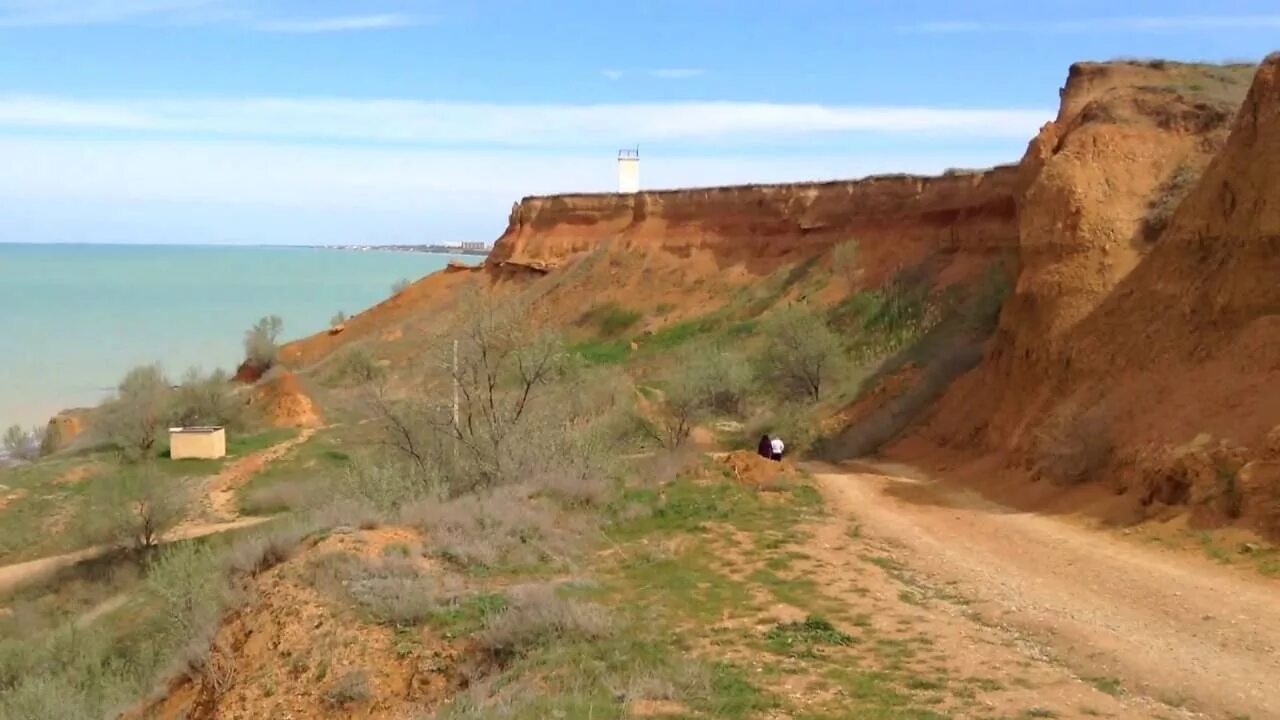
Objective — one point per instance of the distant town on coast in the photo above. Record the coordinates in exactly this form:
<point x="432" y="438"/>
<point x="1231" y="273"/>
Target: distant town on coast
<point x="459" y="248"/>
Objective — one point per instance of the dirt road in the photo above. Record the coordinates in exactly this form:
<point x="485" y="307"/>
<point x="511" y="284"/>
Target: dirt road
<point x="24" y="573"/>
<point x="1200" y="639"/>
<point x="221" y="488"/>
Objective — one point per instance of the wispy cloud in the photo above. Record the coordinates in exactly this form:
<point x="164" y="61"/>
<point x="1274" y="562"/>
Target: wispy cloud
<point x="514" y="125"/>
<point x="344" y="23"/>
<point x="66" y="13"/>
<point x="47" y="13"/>
<point x="676" y="73"/>
<point x="612" y="74"/>
<point x="1171" y="23"/>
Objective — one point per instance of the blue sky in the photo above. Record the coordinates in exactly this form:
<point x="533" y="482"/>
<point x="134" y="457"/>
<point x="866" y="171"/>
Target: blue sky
<point x="371" y="121"/>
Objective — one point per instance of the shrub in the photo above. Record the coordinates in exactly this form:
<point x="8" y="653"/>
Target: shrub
<point x="134" y="418"/>
<point x="23" y="444"/>
<point x="355" y="366"/>
<point x="611" y="318"/>
<point x="1166" y="199"/>
<point x="349" y="688"/>
<point x="188" y="580"/>
<point x="499" y="528"/>
<point x="1074" y="444"/>
<point x="206" y="400"/>
<point x="391" y="590"/>
<point x="261" y="342"/>
<point x="844" y="258"/>
<point x="801" y="352"/>
<point x="135" y="508"/>
<point x="537" y="614"/>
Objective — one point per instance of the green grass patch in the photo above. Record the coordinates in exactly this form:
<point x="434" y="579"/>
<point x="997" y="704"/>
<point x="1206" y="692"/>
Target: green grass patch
<point x="806" y="637"/>
<point x="1108" y="685"/>
<point x="611" y="318"/>
<point x="602" y="352"/>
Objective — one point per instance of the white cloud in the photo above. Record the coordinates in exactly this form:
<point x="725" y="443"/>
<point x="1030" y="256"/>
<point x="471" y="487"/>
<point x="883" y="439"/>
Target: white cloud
<point x="517" y="125"/>
<point x="676" y="73"/>
<point x="1173" y="23"/>
<point x="612" y="74"/>
<point x="345" y="23"/>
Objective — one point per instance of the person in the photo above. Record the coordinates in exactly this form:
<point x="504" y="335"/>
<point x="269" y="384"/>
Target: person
<point x="776" y="448"/>
<point x="765" y="448"/>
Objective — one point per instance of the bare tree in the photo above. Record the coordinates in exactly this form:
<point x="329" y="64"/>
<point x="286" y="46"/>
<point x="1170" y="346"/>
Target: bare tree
<point x="135" y="508"/>
<point x="802" y="352"/>
<point x="22" y="444"/>
<point x="499" y="368"/>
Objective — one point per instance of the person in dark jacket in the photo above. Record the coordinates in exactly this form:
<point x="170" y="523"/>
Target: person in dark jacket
<point x="765" y="448"/>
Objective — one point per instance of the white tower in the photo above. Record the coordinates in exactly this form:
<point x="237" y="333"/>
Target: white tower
<point x="629" y="171"/>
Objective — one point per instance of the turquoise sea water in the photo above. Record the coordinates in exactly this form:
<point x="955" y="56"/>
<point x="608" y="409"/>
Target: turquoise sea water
<point x="74" y="318"/>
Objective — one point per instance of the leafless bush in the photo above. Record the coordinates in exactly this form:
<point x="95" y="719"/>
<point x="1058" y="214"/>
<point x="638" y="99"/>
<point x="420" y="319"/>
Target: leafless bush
<point x="393" y="590"/>
<point x="268" y="548"/>
<point x="136" y="507"/>
<point x="520" y="415"/>
<point x="23" y="444"/>
<point x="505" y="526"/>
<point x="350" y="688"/>
<point x="1074" y="444"/>
<point x="537" y="614"/>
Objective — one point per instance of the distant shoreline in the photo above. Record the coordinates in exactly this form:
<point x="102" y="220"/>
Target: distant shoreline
<point x="427" y="249"/>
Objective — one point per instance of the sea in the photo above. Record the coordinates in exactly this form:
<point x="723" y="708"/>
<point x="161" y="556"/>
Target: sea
<point x="75" y="318"/>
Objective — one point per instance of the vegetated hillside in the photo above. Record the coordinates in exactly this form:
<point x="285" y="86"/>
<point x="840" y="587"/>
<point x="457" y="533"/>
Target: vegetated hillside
<point x="1143" y="337"/>
<point x="675" y="255"/>
<point x="1135" y="343"/>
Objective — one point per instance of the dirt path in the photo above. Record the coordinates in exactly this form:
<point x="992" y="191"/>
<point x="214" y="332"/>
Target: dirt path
<point x="25" y="573"/>
<point x="1199" y="639"/>
<point x="221" y="488"/>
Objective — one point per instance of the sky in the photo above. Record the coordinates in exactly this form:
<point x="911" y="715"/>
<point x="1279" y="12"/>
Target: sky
<point x="419" y="121"/>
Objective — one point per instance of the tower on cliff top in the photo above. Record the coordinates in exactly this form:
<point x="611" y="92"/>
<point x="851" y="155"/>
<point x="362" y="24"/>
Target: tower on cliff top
<point x="629" y="171"/>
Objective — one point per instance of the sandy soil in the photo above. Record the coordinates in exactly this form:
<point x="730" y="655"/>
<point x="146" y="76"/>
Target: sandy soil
<point x="1197" y="639"/>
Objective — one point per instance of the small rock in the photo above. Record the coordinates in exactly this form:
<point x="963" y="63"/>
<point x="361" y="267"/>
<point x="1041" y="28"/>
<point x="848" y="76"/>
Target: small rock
<point x="1249" y="548"/>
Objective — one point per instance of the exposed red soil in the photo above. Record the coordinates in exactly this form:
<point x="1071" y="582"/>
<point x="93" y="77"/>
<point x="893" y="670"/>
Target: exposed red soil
<point x="756" y="471"/>
<point x="284" y="402"/>
<point x="281" y="656"/>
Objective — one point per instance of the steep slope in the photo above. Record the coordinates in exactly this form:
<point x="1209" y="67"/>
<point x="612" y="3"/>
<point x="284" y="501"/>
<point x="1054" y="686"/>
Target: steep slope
<point x="1160" y="333"/>
<point x="678" y="254"/>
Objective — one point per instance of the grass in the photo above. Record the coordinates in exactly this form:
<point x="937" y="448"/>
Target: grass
<point x="804" y="638"/>
<point x="602" y="352"/>
<point x="1108" y="685"/>
<point x="611" y="318"/>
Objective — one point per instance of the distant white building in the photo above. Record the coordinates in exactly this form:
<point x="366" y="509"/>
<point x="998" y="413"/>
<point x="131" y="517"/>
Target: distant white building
<point x="629" y="171"/>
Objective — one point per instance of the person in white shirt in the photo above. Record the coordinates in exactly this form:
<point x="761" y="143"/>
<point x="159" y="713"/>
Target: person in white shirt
<point x="778" y="447"/>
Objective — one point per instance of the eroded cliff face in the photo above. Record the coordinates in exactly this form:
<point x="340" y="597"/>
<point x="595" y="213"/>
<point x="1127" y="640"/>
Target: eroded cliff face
<point x="1158" y="313"/>
<point x="677" y="254"/>
<point x="761" y="225"/>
